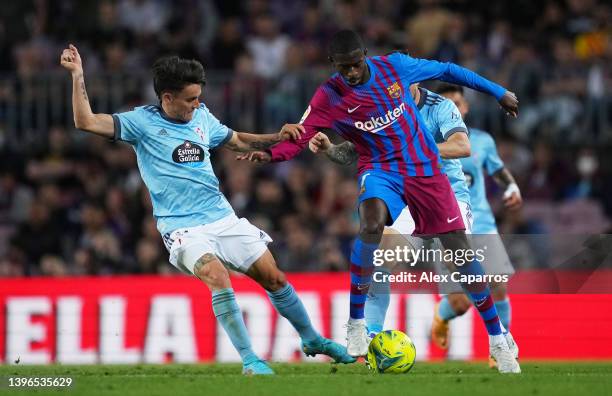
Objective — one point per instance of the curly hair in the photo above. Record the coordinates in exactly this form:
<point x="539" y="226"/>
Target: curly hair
<point x="344" y="42"/>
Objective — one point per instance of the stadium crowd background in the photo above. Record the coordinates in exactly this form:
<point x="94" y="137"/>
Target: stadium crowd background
<point x="75" y="204"/>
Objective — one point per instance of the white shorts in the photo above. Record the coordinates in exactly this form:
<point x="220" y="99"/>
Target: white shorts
<point x="235" y="242"/>
<point x="404" y="224"/>
<point x="496" y="260"/>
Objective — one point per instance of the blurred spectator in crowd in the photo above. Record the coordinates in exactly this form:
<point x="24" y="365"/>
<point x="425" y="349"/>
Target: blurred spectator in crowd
<point x="150" y="257"/>
<point x="426" y="28"/>
<point x="40" y="235"/>
<point x="15" y="197"/>
<point x="227" y="46"/>
<point x="99" y="241"/>
<point x="52" y="266"/>
<point x="299" y="250"/>
<point x="142" y="17"/>
<point x="548" y="176"/>
<point x="270" y="199"/>
<point x="268" y="47"/>
<point x="563" y="89"/>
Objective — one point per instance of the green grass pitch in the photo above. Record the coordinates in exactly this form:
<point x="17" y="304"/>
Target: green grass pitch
<point x="430" y="379"/>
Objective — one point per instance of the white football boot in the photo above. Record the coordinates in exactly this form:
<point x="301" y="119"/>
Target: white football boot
<point x="357" y="340"/>
<point x="514" y="349"/>
<point x="500" y="352"/>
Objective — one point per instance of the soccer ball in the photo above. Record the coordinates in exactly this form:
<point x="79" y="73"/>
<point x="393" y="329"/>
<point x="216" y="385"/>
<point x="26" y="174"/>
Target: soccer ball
<point x="391" y="351"/>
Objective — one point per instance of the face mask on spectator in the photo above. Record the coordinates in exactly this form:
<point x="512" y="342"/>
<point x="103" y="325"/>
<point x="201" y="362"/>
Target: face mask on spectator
<point x="587" y="165"/>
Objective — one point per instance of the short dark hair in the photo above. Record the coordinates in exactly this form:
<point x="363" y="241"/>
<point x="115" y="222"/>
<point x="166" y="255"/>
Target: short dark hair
<point x="344" y="42"/>
<point x="172" y="73"/>
<point x="449" y="88"/>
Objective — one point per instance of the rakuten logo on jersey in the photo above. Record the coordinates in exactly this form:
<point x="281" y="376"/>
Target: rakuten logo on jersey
<point x="375" y="124"/>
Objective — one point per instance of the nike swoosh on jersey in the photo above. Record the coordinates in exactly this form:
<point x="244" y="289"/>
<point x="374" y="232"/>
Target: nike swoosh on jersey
<point x="363" y="180"/>
<point x="451" y="220"/>
<point x="353" y="109"/>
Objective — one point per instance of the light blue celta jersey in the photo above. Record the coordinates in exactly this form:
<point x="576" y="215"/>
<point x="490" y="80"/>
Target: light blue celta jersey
<point x="443" y="119"/>
<point x="174" y="162"/>
<point x="484" y="156"/>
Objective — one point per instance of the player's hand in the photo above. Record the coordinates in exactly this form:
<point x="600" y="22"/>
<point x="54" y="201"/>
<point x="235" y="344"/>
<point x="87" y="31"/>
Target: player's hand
<point x="512" y="197"/>
<point x="509" y="102"/>
<point x="262" y="157"/>
<point x="71" y="60"/>
<point x="291" y="131"/>
<point x="320" y="143"/>
<point x="514" y="201"/>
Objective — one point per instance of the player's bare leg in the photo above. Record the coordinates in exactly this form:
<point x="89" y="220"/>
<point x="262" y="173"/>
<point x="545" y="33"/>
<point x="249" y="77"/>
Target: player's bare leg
<point x="214" y="274"/>
<point x="373" y="215"/>
<point x="286" y="301"/>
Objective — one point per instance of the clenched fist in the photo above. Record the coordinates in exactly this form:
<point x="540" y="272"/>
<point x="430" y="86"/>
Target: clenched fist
<point x="71" y="60"/>
<point x="319" y="143"/>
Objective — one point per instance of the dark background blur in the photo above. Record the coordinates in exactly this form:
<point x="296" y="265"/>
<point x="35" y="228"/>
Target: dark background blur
<point x="75" y="204"/>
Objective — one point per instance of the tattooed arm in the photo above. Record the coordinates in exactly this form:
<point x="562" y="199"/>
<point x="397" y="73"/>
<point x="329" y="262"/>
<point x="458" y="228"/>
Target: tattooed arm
<point x="343" y="154"/>
<point x="243" y="141"/>
<point x="84" y="118"/>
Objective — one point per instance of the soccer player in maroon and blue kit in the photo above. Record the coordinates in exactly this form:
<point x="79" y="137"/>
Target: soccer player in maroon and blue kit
<point x="368" y="103"/>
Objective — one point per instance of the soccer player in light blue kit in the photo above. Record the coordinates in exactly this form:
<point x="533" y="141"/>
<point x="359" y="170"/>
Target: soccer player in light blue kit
<point x="484" y="157"/>
<point x="199" y="228"/>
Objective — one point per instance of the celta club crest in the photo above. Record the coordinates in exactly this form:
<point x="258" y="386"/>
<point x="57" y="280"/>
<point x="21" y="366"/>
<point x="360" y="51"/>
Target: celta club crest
<point x="199" y="132"/>
<point x="395" y="91"/>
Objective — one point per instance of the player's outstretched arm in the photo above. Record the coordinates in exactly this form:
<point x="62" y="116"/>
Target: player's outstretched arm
<point x="84" y="118"/>
<point x="460" y="75"/>
<point x="512" y="194"/>
<point x="343" y="154"/>
<point x="425" y="69"/>
<point x="286" y="149"/>
<point x="457" y="146"/>
<point x="245" y="142"/>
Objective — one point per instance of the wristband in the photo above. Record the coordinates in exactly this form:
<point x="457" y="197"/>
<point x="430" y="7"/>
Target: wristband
<point x="512" y="188"/>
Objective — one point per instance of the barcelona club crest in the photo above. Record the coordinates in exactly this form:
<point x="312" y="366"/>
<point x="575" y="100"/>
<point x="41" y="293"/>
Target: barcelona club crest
<point x="395" y="91"/>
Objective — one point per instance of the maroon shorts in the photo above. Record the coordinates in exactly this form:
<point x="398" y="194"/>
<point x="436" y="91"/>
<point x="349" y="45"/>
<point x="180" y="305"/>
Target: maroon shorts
<point x="432" y="204"/>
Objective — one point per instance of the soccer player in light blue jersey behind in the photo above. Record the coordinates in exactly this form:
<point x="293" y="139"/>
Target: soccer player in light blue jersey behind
<point x="204" y="237"/>
<point x="484" y="158"/>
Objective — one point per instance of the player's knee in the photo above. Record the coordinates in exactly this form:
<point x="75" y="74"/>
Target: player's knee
<point x="390" y="239"/>
<point x="455" y="240"/>
<point x="213" y="273"/>
<point x="372" y="229"/>
<point x="459" y="303"/>
<point x="274" y="281"/>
